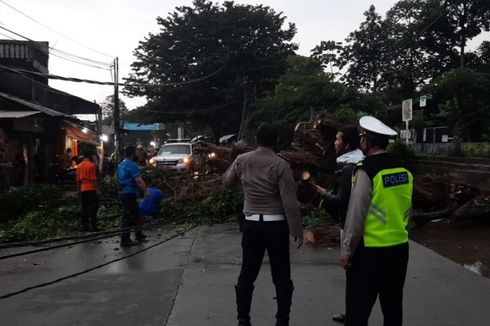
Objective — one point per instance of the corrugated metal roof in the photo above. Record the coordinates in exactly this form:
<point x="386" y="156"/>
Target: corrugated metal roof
<point x="34" y="106"/>
<point x="16" y="114"/>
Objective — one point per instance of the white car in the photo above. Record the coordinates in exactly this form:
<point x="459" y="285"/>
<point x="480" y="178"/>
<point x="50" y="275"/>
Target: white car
<point x="174" y="155"/>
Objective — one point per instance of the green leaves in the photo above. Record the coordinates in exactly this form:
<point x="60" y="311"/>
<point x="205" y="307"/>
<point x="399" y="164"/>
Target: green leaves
<point x="219" y="207"/>
<point x="305" y="89"/>
<point x="239" y="50"/>
<point x="43" y="211"/>
<point x="314" y="217"/>
<point x="16" y="202"/>
<point x="464" y="103"/>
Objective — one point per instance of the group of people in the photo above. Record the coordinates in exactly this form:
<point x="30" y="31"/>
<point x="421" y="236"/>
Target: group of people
<point x="130" y="182"/>
<point x="372" y="201"/>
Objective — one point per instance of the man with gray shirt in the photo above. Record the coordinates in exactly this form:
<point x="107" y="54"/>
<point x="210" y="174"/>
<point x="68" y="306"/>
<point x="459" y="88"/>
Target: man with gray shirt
<point x="271" y="213"/>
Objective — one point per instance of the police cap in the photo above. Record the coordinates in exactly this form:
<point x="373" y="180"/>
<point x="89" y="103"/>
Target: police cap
<point x="373" y="125"/>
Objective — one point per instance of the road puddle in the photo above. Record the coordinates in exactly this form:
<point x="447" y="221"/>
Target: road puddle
<point x="468" y="245"/>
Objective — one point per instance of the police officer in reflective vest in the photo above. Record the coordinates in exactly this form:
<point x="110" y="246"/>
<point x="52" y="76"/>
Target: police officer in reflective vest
<point x="375" y="245"/>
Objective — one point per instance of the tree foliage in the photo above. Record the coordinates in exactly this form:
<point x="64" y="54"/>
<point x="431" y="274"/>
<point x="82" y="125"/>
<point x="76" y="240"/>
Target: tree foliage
<point x="305" y="90"/>
<point x="235" y="52"/>
<point x="361" y="55"/>
<point x="418" y="41"/>
<point x="108" y="109"/>
<point x="464" y="104"/>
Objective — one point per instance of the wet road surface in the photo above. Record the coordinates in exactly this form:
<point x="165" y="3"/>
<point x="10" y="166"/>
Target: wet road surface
<point x="467" y="244"/>
<point x="189" y="281"/>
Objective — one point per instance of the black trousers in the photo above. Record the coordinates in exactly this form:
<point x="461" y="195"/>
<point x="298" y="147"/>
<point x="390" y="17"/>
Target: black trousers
<point x="131" y="215"/>
<point x="376" y="271"/>
<point x="90" y="206"/>
<point x="261" y="236"/>
<point x="257" y="238"/>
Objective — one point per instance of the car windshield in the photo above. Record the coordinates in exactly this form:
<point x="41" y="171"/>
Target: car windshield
<point x="175" y="149"/>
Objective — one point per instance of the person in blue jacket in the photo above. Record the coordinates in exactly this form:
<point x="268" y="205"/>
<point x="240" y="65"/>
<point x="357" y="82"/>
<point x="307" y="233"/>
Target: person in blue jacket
<point x="130" y="180"/>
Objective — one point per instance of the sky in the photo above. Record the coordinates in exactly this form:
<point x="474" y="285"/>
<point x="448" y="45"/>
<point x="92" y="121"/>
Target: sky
<point x="104" y="29"/>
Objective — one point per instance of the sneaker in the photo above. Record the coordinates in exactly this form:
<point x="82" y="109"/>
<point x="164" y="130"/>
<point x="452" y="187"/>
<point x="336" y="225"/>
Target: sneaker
<point x="128" y="243"/>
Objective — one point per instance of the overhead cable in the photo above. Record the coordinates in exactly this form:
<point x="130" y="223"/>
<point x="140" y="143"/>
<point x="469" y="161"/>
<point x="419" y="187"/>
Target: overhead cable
<point x="54" y="31"/>
<point x="88" y="81"/>
<point x="39" y="84"/>
<point x="209" y="109"/>
<point x="11" y="294"/>
<point x="62" y="54"/>
<point x="78" y="239"/>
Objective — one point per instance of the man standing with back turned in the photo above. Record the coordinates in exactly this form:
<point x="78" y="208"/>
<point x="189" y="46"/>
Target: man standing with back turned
<point x="375" y="243"/>
<point x="271" y="213"/>
<point x="86" y="176"/>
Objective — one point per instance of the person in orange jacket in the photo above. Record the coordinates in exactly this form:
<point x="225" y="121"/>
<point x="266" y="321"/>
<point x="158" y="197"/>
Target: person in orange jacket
<point x="87" y="182"/>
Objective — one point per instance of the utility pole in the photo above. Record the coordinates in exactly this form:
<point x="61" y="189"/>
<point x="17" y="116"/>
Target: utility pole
<point x="117" y="122"/>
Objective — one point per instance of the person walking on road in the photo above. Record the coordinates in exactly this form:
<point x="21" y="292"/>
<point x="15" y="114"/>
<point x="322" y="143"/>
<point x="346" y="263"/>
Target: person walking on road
<point x="375" y="243"/>
<point x="271" y="213"/>
<point x="130" y="180"/>
<point x="336" y="201"/>
<point x="86" y="176"/>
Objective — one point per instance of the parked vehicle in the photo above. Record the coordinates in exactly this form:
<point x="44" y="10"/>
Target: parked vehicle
<point x="174" y="155"/>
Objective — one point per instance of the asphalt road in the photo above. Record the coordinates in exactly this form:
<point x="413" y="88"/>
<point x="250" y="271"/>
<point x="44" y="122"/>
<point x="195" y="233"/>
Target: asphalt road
<point x="189" y="281"/>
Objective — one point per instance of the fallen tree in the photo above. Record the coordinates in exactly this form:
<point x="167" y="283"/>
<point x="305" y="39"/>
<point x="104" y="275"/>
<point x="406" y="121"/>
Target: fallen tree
<point x="312" y="150"/>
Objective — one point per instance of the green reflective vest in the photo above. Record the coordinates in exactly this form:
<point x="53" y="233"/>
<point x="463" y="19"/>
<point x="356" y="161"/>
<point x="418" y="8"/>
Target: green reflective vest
<point x="390" y="209"/>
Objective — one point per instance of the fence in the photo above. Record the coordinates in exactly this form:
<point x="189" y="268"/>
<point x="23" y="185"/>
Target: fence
<point x="453" y="149"/>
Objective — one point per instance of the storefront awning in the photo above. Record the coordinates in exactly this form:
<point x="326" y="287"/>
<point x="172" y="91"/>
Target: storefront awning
<point x="81" y="133"/>
<point x="16" y="114"/>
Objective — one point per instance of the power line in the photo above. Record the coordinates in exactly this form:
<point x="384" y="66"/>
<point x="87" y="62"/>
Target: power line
<point x="78" y="239"/>
<point x="63" y="54"/>
<point x="8" y="36"/>
<point x="40" y="85"/>
<point x="212" y="108"/>
<point x="79" y="62"/>
<point x="88" y="81"/>
<point x="181" y="233"/>
<point x="83" y="58"/>
<point x="54" y="31"/>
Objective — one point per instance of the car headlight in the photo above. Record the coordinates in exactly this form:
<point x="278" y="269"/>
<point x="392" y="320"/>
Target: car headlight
<point x="153" y="161"/>
<point x="186" y="160"/>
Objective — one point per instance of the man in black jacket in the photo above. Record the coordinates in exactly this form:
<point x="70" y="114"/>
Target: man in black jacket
<point x="336" y="201"/>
